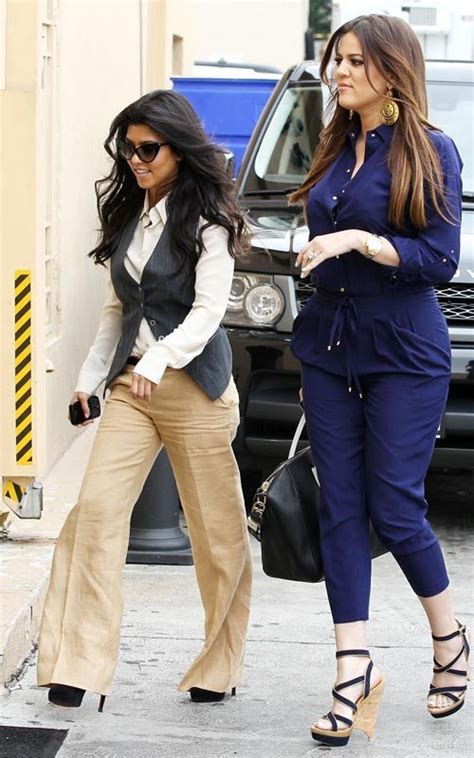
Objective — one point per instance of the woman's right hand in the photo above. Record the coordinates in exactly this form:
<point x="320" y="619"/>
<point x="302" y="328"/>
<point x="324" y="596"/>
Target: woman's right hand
<point x="83" y="398"/>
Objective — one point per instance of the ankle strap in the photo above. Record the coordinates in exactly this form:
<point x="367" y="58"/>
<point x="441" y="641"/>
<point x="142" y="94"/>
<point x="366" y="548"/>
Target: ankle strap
<point x="460" y="630"/>
<point x="361" y="653"/>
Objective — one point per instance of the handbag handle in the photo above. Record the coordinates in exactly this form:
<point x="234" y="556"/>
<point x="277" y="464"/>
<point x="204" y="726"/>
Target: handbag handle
<point x="296" y="438"/>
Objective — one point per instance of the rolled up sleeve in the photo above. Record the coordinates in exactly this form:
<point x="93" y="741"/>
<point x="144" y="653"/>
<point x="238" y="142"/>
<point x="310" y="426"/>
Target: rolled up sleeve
<point x="433" y="253"/>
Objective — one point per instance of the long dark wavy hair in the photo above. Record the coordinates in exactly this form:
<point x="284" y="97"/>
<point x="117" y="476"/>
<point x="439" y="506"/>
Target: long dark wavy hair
<point x="394" y="49"/>
<point x="202" y="188"/>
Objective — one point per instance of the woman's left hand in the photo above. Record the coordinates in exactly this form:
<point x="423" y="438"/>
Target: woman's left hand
<point x="321" y="248"/>
<point x="141" y="388"/>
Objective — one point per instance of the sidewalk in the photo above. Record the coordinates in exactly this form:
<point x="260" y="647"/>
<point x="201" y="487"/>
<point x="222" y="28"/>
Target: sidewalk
<point x="289" y="667"/>
<point x="26" y="558"/>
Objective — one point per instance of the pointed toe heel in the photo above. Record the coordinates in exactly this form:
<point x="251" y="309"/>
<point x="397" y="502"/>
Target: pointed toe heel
<point x="65" y="696"/>
<point x="70" y="697"/>
<point x="198" y="695"/>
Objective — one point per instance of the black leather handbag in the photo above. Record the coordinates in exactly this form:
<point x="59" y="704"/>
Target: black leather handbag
<point x="285" y="519"/>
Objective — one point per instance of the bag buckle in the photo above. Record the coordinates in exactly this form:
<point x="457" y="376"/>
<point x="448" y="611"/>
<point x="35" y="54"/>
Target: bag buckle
<point x="254" y="521"/>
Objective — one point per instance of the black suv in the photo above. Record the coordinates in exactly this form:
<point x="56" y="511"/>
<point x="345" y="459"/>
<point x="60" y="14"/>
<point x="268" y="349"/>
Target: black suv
<point x="267" y="291"/>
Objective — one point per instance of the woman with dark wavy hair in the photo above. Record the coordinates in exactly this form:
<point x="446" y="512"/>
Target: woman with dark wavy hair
<point x="170" y="231"/>
<point x="383" y="203"/>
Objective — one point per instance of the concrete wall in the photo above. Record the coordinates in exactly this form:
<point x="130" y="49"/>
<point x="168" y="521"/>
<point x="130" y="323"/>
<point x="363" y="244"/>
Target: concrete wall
<point x="90" y="90"/>
<point x="254" y="31"/>
<point x="129" y="51"/>
<point x="19" y="206"/>
<point x="66" y="68"/>
<point x="69" y="67"/>
<point x="170" y="40"/>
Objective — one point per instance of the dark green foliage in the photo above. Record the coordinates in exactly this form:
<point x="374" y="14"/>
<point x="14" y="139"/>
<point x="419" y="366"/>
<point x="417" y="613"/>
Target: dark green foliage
<point x="320" y="16"/>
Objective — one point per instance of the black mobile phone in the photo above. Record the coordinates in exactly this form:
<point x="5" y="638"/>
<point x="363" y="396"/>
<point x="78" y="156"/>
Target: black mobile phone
<point x="76" y="414"/>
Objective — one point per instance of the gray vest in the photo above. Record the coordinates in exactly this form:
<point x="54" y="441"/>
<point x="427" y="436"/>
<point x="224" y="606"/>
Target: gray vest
<point x="164" y="298"/>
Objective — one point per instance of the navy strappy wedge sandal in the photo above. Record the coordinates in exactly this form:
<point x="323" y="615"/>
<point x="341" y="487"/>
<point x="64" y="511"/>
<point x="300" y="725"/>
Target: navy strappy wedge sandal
<point x="365" y="710"/>
<point x="455" y="693"/>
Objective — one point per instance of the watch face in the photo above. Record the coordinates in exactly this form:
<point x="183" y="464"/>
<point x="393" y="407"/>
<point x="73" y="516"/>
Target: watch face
<point x="373" y="245"/>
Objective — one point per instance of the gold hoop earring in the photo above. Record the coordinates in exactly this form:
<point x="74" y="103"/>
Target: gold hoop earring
<point x="389" y="111"/>
<point x="351" y="113"/>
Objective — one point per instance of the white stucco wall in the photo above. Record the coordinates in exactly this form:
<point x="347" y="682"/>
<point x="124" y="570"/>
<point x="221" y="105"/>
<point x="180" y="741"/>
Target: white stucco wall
<point x="253" y="31"/>
<point x="105" y="53"/>
<point x="91" y="89"/>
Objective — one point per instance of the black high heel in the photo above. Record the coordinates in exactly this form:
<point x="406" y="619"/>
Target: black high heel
<point x="70" y="697"/>
<point x="199" y="695"/>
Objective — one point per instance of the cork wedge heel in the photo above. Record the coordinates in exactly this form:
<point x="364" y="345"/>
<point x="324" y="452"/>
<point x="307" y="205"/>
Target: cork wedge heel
<point x="365" y="709"/>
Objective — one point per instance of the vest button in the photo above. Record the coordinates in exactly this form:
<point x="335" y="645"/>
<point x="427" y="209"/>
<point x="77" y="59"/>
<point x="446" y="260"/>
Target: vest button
<point x="152" y="322"/>
<point x="139" y="289"/>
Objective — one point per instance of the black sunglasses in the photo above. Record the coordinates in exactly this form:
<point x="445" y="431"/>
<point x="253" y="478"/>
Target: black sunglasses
<point x="146" y="152"/>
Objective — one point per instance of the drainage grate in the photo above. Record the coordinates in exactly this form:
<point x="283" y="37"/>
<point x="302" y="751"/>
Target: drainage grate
<point x="26" y="742"/>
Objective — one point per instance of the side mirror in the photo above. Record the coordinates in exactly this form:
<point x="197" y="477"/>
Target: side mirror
<point x="229" y="159"/>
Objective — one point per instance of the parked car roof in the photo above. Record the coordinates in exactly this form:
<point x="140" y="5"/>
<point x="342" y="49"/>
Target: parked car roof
<point x="436" y="70"/>
<point x="449" y="71"/>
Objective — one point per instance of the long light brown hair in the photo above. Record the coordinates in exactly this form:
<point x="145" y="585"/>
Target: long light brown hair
<point x="393" y="48"/>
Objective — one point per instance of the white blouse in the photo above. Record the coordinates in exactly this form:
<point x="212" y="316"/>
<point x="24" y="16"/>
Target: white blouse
<point x="214" y="272"/>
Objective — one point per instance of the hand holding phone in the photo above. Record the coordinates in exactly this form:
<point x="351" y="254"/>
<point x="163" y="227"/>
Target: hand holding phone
<point x="83" y="410"/>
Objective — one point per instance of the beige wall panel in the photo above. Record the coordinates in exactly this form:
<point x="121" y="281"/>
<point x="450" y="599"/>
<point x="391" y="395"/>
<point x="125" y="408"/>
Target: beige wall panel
<point x="104" y="54"/>
<point x="22" y="32"/>
<point x="99" y="70"/>
<point x="255" y="31"/>
<point x="165" y="20"/>
<point x="18" y="247"/>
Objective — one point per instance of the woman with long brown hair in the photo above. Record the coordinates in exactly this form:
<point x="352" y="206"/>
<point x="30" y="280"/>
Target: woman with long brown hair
<point x="170" y="231"/>
<point x="383" y="203"/>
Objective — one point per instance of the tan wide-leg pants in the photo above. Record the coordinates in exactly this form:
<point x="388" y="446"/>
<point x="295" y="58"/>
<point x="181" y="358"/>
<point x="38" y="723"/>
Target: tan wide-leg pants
<point x="80" y="629"/>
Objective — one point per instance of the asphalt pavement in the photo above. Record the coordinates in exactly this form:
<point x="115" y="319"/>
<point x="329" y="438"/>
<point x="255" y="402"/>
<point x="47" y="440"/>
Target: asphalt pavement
<point x="289" y="669"/>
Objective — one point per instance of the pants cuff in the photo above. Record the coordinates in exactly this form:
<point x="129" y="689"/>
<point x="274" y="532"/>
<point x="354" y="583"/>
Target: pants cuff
<point x="425" y="570"/>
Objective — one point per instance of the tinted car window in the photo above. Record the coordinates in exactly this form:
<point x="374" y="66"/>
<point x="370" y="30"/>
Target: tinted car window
<point x="284" y="155"/>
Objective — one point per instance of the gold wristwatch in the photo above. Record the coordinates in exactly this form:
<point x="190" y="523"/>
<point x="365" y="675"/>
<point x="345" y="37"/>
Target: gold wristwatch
<point x="373" y="245"/>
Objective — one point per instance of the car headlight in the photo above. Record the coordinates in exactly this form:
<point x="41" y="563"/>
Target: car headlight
<point x="254" y="301"/>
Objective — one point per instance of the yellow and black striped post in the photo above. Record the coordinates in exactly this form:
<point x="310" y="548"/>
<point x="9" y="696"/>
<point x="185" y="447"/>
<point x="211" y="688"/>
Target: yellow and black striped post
<point x="23" y="375"/>
<point x="13" y="491"/>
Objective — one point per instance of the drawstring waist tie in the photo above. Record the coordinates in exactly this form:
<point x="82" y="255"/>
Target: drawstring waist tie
<point x="347" y="310"/>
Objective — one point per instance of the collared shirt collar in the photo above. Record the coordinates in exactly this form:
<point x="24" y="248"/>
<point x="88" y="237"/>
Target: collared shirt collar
<point x="156" y="214"/>
<point x="382" y="132"/>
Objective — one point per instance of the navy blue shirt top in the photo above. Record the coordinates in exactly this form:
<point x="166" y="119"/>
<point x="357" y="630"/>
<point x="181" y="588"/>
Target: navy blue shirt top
<point x="366" y="317"/>
<point x="338" y="202"/>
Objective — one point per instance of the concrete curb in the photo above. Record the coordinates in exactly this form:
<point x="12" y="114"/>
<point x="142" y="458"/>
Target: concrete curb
<point x="20" y="637"/>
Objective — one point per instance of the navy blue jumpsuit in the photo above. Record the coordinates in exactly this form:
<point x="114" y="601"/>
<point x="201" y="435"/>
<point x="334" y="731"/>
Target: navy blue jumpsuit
<point x="376" y="366"/>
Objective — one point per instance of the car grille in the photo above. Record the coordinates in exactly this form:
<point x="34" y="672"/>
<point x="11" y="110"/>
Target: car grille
<point x="456" y="300"/>
<point x="304" y="290"/>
